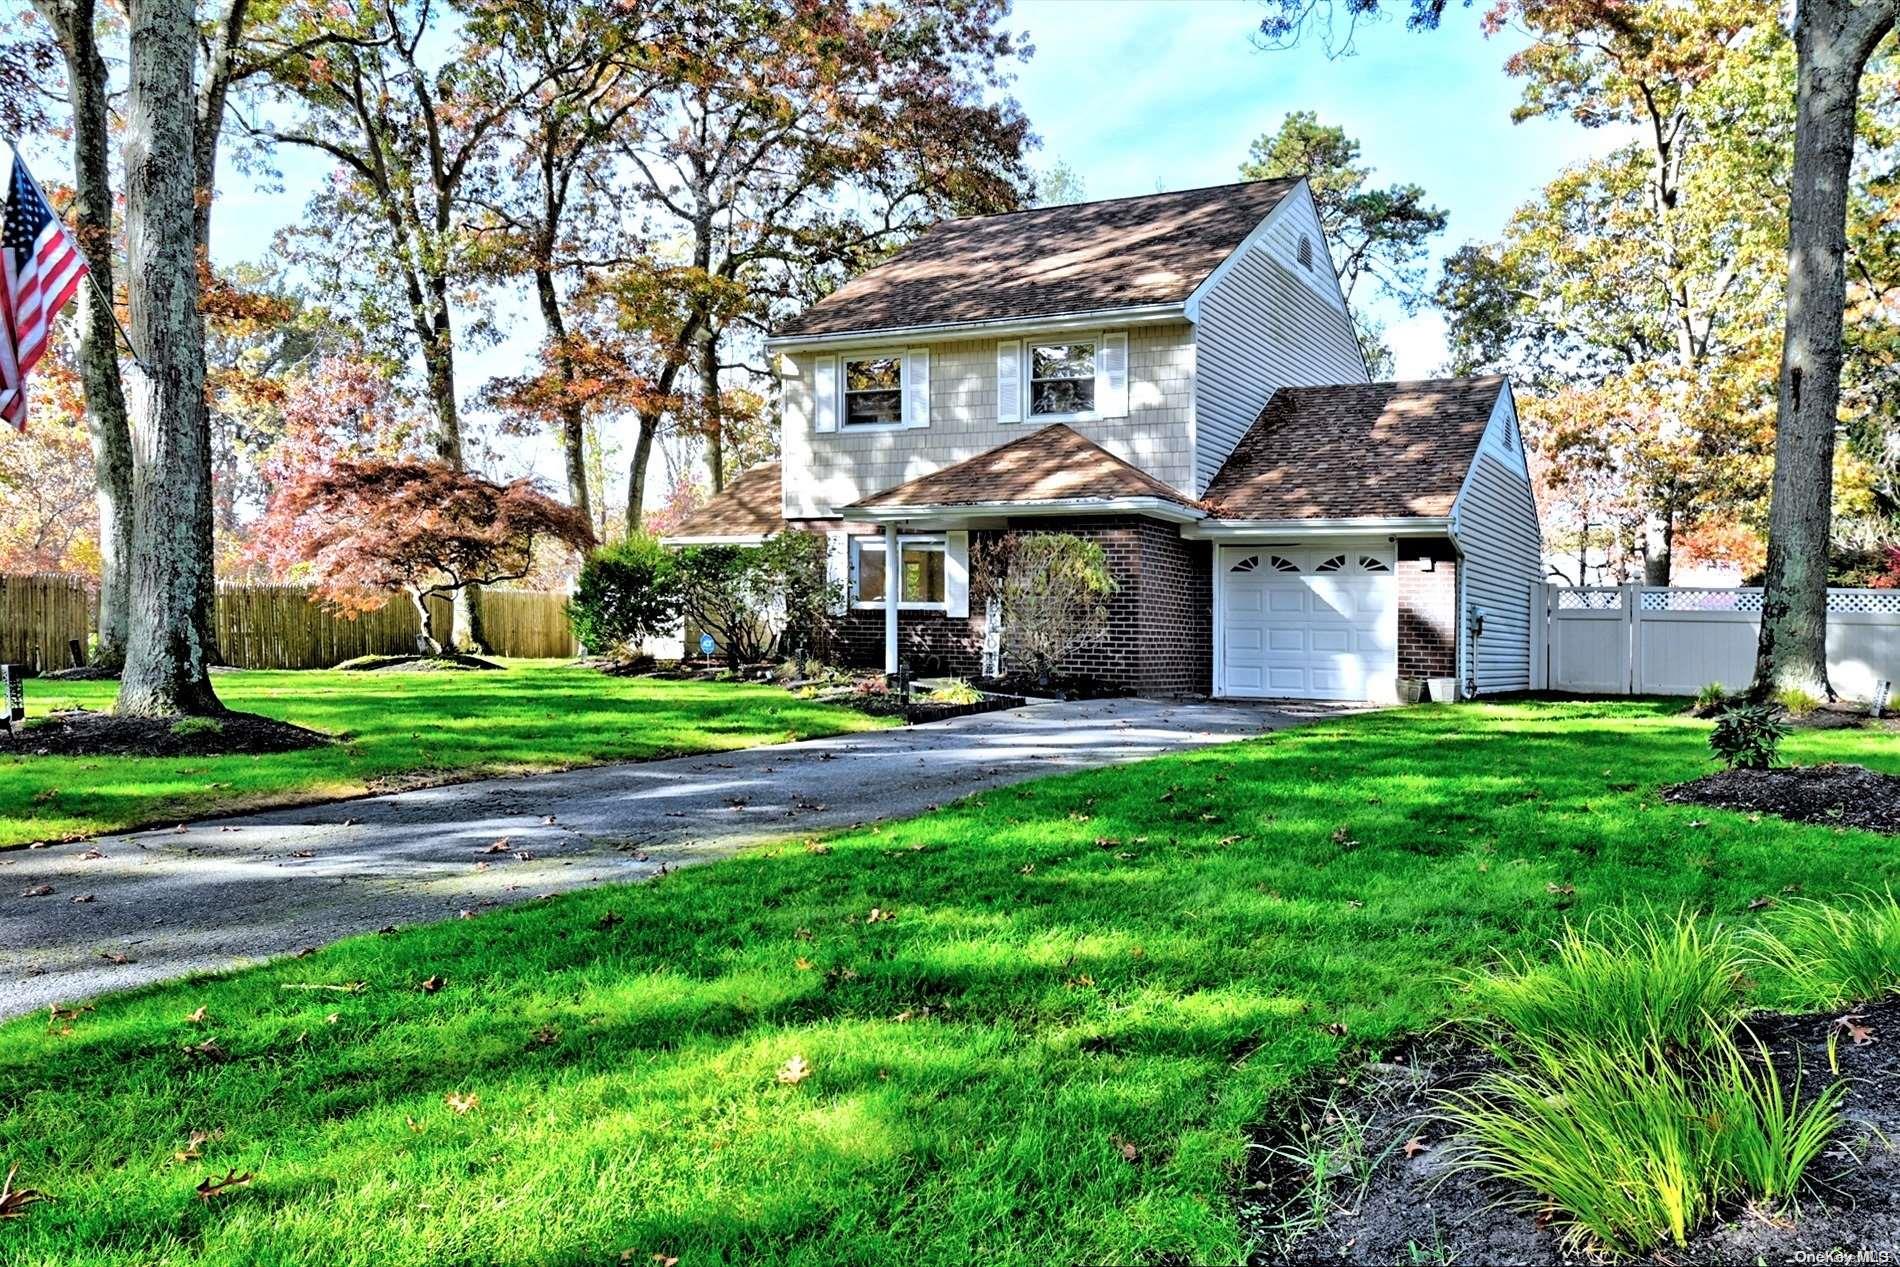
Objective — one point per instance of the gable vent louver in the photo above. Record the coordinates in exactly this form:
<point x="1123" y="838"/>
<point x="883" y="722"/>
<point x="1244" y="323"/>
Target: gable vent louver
<point x="1306" y="252"/>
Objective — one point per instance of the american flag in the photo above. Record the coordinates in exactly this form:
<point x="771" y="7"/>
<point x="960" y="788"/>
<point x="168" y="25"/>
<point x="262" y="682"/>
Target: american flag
<point x="40" y="268"/>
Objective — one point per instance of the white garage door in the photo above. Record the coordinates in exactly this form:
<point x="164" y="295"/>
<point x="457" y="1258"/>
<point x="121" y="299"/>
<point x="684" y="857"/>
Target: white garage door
<point x="1319" y="623"/>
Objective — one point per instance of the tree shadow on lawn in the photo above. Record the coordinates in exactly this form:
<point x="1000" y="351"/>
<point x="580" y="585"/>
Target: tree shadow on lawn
<point x="1144" y="958"/>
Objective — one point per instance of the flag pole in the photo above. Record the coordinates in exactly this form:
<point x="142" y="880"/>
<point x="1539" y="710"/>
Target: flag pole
<point x="97" y="289"/>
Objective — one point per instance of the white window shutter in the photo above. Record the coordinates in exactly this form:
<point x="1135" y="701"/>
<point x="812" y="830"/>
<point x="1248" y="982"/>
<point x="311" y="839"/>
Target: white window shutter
<point x="1009" y="381"/>
<point x="838" y="570"/>
<point x="956" y="573"/>
<point x="1111" y="375"/>
<point x="824" y="392"/>
<point x="917" y="387"/>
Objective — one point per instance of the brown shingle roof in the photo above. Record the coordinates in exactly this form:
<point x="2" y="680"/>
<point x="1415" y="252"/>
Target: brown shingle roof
<point x="751" y="505"/>
<point x="1055" y="464"/>
<point x="1079" y="258"/>
<point x="1357" y="451"/>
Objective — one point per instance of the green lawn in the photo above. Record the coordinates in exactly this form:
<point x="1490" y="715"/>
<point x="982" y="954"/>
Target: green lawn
<point x="401" y="729"/>
<point x="1146" y="958"/>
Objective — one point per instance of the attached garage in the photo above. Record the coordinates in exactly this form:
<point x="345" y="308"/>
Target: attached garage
<point x="1306" y="622"/>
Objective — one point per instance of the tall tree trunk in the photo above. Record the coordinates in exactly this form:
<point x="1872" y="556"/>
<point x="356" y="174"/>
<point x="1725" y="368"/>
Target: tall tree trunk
<point x="573" y="422"/>
<point x="73" y="22"/>
<point x="709" y="400"/>
<point x="637" y="476"/>
<point x="465" y="631"/>
<point x="166" y="667"/>
<point x="1659" y="542"/>
<point x="1833" y="39"/>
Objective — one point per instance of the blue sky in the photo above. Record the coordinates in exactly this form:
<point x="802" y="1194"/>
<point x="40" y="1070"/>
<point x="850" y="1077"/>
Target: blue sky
<point x="1140" y="94"/>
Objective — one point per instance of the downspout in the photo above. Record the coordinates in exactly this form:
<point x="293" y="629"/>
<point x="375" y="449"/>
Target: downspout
<point x="1465" y="670"/>
<point x="893" y="577"/>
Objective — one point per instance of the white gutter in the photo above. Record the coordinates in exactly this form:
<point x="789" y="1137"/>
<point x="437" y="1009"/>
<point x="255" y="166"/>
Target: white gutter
<point x="1152" y="507"/>
<point x="1385" y="526"/>
<point x="1094" y="318"/>
<point x="734" y="539"/>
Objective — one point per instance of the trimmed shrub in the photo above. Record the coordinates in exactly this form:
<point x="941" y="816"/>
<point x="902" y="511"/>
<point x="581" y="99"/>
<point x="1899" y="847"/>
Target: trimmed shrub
<point x="1748" y="738"/>
<point x="627" y="592"/>
<point x="1053" y="589"/>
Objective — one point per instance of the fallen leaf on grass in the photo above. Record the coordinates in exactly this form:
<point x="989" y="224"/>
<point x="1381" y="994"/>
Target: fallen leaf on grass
<point x="333" y="1018"/>
<point x="113" y="956"/>
<point x="1336" y="1028"/>
<point x="802" y="964"/>
<point x="1761" y="904"/>
<point x="57" y="1013"/>
<point x="38" y="890"/>
<point x="84" y="897"/>
<point x="818" y="847"/>
<point x="500" y="846"/>
<point x="429" y="985"/>
<point x="215" y="1185"/>
<point x="1416" y="1145"/>
<point x="461" y="1103"/>
<point x="196" y="1017"/>
<point x="794" y="1071"/>
<point x="546" y="1036"/>
<point x="193" y="1149"/>
<point x="13" y="1201"/>
<point x="417" y="1127"/>
<point x="1129" y="1152"/>
<point x="878" y="916"/>
<point x="347" y="987"/>
<point x="608" y="919"/>
<point x="1560" y="890"/>
<point x="207" y="1050"/>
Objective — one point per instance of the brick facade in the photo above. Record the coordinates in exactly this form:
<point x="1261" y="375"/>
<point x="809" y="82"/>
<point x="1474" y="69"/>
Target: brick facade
<point x="1159" y="641"/>
<point x="1428" y="609"/>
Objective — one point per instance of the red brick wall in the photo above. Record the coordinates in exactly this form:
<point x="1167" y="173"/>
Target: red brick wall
<point x="1428" y="609"/>
<point x="1159" y="641"/>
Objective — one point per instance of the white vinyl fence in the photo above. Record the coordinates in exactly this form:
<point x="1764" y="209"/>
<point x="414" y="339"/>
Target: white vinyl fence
<point x="1648" y="640"/>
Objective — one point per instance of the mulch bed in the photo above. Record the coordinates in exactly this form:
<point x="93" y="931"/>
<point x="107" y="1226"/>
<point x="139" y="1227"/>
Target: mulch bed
<point x="89" y="734"/>
<point x="1418" y="1208"/>
<point x="1065" y="688"/>
<point x="1836" y="795"/>
<point x="418" y="664"/>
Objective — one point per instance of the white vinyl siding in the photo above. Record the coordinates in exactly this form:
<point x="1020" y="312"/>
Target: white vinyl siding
<point x="1264" y="323"/>
<point x="828" y="470"/>
<point x="1495" y="524"/>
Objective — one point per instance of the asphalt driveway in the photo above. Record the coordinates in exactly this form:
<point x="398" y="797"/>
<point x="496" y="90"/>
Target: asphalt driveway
<point x="80" y="919"/>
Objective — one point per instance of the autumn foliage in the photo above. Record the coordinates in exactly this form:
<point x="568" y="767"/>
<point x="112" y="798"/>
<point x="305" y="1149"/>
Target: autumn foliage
<point x="361" y="529"/>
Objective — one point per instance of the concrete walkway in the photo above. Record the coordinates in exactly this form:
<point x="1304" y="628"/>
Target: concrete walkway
<point x="151" y="906"/>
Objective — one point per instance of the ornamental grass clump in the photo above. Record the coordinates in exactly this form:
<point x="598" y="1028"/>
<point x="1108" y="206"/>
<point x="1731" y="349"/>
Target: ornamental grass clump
<point x="1622" y="1096"/>
<point x="1812" y="955"/>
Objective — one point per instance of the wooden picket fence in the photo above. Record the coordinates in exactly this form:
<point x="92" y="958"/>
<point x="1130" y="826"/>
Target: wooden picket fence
<point x="278" y="626"/>
<point x="39" y="614"/>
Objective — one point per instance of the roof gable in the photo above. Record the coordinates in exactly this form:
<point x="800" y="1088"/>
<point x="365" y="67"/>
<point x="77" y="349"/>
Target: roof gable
<point x="1357" y="451"/>
<point x="1084" y="257"/>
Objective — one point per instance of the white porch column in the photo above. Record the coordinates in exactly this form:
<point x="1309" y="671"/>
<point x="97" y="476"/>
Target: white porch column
<point x="893" y="580"/>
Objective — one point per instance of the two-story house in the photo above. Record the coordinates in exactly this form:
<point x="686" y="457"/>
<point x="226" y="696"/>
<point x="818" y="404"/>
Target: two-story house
<point x="1175" y="377"/>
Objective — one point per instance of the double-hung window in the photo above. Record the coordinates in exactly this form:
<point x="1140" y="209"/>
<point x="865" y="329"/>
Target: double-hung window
<point x="873" y="390"/>
<point x="921" y="584"/>
<point x="1061" y="379"/>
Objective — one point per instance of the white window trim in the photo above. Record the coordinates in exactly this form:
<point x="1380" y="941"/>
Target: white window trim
<point x="845" y="425"/>
<point x="1094" y="340"/>
<point x="937" y="540"/>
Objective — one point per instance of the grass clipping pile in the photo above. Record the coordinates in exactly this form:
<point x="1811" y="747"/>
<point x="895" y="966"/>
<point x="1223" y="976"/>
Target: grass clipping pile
<point x="1621" y="1101"/>
<point x="84" y="733"/>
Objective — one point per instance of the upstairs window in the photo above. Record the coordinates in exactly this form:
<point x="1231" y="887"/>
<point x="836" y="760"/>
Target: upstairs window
<point x="874" y="390"/>
<point x="1061" y="378"/>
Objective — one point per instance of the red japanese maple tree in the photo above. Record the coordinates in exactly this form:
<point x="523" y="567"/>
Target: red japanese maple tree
<point x="361" y="529"/>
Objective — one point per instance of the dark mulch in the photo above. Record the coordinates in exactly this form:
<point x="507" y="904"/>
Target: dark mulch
<point x="88" y="734"/>
<point x="418" y="664"/>
<point x="1419" y="1208"/>
<point x="1056" y="688"/>
<point x="1841" y="795"/>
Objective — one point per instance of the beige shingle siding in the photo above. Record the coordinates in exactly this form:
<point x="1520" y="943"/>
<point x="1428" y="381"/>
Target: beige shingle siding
<point x="1268" y="322"/>
<point x="1496" y="525"/>
<point x="826" y="471"/>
